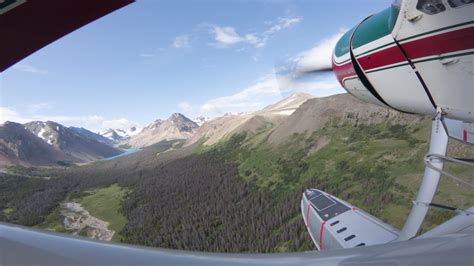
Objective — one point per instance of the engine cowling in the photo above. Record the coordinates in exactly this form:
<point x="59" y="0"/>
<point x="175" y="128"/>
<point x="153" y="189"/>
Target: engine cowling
<point x="391" y="61"/>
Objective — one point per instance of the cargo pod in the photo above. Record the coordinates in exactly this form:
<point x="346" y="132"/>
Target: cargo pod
<point x="333" y="223"/>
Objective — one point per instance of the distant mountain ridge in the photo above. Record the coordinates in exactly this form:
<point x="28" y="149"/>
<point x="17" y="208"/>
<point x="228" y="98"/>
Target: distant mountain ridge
<point x="19" y="146"/>
<point x="298" y="113"/>
<point x="50" y="143"/>
<point x="225" y="126"/>
<point x="92" y="135"/>
<point x="177" y="126"/>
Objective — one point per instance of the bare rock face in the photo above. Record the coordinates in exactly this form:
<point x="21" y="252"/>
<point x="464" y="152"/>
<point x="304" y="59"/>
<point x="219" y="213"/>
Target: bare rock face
<point x="344" y="108"/>
<point x="80" y="144"/>
<point x="177" y="126"/>
<point x="77" y="220"/>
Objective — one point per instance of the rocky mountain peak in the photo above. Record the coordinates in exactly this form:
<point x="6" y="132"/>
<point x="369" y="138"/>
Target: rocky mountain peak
<point x="177" y="126"/>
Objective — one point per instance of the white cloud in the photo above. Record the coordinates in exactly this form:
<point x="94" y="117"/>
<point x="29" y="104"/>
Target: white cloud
<point x="91" y="122"/>
<point x="185" y="106"/>
<point x="227" y="36"/>
<point x="182" y="41"/>
<point x="8" y="114"/>
<point x="318" y="57"/>
<point x="268" y="90"/>
<point x="272" y="87"/>
<point x="121" y="123"/>
<point x="35" y="107"/>
<point x="248" y="99"/>
<point x="282" y="23"/>
<point x="30" y="69"/>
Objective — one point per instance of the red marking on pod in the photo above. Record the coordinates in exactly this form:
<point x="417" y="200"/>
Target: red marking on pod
<point x="321" y="235"/>
<point x="307" y="215"/>
<point x="464" y="135"/>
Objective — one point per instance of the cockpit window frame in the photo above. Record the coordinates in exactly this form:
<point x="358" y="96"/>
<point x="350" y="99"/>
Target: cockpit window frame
<point x="452" y="5"/>
<point x="440" y="9"/>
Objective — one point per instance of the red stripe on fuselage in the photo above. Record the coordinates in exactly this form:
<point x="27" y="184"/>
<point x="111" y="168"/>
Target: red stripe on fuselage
<point x="384" y="57"/>
<point x="443" y="43"/>
<point x="464" y="135"/>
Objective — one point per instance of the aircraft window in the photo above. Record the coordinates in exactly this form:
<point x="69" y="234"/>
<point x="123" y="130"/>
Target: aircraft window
<point x="349" y="237"/>
<point x="322" y="202"/>
<point x="431" y="7"/>
<point x="341" y="230"/>
<point x="334" y="223"/>
<point x="458" y="3"/>
<point x="360" y="245"/>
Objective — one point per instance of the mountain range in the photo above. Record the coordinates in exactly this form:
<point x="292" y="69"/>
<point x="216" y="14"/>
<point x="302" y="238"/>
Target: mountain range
<point x="51" y="144"/>
<point x="295" y="114"/>
<point x="48" y="143"/>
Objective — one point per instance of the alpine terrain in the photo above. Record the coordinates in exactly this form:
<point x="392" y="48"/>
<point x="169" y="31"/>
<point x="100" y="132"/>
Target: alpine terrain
<point x="233" y="184"/>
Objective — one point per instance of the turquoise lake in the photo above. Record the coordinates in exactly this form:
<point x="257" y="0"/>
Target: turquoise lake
<point x="127" y="152"/>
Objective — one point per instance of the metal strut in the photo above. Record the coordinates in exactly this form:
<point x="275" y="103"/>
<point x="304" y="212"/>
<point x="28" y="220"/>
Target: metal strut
<point x="438" y="145"/>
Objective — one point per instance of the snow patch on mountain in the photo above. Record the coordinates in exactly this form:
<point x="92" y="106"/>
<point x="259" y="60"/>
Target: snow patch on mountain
<point x="201" y="120"/>
<point x="119" y="135"/>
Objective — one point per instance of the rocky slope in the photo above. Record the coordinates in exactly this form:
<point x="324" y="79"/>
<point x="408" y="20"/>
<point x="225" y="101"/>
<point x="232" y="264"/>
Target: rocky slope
<point x="92" y="135"/>
<point x="214" y="130"/>
<point x="19" y="146"/>
<point x="316" y="112"/>
<point x="70" y="141"/>
<point x="177" y="126"/>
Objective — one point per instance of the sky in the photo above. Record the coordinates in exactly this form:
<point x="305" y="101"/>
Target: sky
<point x="200" y="58"/>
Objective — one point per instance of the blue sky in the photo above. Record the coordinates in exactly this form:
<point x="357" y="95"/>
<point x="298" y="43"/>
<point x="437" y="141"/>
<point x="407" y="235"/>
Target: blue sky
<point x="153" y="58"/>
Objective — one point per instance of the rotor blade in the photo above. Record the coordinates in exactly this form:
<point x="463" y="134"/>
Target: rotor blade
<point x="316" y="71"/>
<point x="290" y="74"/>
